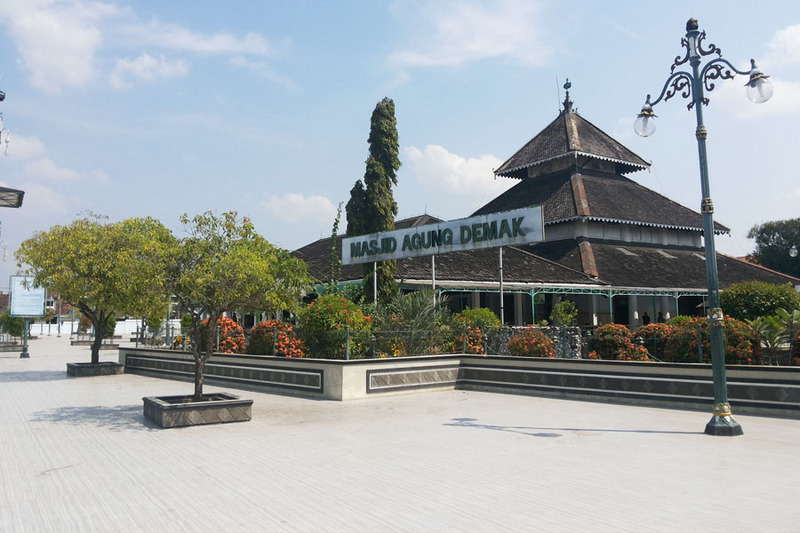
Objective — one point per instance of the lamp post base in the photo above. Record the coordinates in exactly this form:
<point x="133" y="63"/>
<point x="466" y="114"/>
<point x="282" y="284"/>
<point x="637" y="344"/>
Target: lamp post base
<point x="722" y="423"/>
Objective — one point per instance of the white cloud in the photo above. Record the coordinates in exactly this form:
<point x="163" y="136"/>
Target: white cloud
<point x="57" y="40"/>
<point x="61" y="42"/>
<point x="458" y="185"/>
<point x="146" y="68"/>
<point x="264" y="70"/>
<point x="23" y="148"/>
<point x="175" y="37"/>
<point x="43" y="200"/>
<point x="44" y="169"/>
<point x="295" y="208"/>
<point x="785" y="45"/>
<point x="785" y="100"/>
<point x="463" y="32"/>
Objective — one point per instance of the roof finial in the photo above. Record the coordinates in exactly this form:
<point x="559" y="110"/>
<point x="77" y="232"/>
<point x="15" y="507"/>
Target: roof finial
<point x="567" y="101"/>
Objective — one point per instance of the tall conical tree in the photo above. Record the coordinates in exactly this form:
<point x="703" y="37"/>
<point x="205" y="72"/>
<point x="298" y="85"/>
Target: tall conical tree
<point x="372" y="207"/>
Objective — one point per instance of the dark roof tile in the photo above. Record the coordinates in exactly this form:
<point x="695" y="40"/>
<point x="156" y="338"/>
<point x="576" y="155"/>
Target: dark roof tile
<point x="567" y="135"/>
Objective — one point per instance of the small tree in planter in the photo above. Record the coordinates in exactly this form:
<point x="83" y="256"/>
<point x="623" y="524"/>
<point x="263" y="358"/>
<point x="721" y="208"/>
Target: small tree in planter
<point x="102" y="268"/>
<point x="224" y="264"/>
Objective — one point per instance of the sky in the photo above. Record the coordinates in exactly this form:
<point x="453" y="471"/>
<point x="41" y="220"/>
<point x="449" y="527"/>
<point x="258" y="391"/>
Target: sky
<point x="132" y="109"/>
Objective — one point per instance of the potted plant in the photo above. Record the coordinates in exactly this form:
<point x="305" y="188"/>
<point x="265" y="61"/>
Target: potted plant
<point x="222" y="264"/>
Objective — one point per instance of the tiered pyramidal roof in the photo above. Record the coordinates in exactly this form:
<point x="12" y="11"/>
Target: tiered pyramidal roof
<point x="574" y="170"/>
<point x="570" y="136"/>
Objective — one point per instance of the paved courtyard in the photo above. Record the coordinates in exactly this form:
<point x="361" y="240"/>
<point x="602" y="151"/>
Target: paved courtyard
<point x="77" y="455"/>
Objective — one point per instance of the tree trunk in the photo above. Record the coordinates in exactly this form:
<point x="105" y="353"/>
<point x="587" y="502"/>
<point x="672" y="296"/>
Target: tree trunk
<point x="98" y="323"/>
<point x="201" y="357"/>
<point x="199" y="367"/>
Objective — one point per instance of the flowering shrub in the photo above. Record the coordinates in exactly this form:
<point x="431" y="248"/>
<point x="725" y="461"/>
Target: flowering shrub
<point x="323" y="325"/>
<point x="682" y="345"/>
<point x="230" y="335"/>
<point x="611" y="339"/>
<point x="177" y="342"/>
<point x="796" y="349"/>
<point x="470" y="341"/>
<point x="532" y="342"/>
<point x="274" y="337"/>
<point x="614" y="342"/>
<point x="481" y="318"/>
<point x="634" y="353"/>
<point x="654" y="337"/>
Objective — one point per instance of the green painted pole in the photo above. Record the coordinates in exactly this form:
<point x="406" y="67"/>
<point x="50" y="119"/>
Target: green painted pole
<point x="25" y="354"/>
<point x="721" y="423"/>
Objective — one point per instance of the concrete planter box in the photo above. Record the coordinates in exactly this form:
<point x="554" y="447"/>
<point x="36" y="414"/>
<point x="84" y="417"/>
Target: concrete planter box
<point x="180" y="411"/>
<point x="106" y="368"/>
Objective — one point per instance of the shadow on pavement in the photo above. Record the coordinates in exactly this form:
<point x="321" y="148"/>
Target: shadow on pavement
<point x="118" y="418"/>
<point x="546" y="432"/>
<point x="33" y="375"/>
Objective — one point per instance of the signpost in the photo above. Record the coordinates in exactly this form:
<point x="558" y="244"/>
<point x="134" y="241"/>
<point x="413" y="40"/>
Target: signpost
<point x="495" y="230"/>
<point x="507" y="228"/>
<point x="27" y="302"/>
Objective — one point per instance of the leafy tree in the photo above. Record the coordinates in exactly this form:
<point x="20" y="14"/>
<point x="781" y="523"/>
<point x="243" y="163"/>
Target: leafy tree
<point x="12" y="325"/>
<point x="223" y="264"/>
<point x="564" y="313"/>
<point x="324" y="324"/>
<point x="773" y="241"/>
<point x="336" y="260"/>
<point x="482" y="318"/>
<point x="102" y="268"/>
<point x="749" y="300"/>
<point x="372" y="207"/>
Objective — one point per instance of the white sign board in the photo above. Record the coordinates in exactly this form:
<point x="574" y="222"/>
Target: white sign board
<point x="507" y="228"/>
<point x="26" y="300"/>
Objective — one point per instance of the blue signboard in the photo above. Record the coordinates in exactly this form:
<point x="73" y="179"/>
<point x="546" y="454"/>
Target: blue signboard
<point x="26" y="300"/>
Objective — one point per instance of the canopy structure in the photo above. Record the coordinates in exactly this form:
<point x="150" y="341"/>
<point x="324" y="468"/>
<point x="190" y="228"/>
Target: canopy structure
<point x="11" y="197"/>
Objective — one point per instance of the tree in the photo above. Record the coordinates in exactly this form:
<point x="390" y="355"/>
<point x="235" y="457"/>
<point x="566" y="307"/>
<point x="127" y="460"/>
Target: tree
<point x="773" y="241"/>
<point x="102" y="268"/>
<point x="224" y="265"/>
<point x="371" y="207"/>
<point x="336" y="260"/>
<point x="564" y="313"/>
<point x="749" y="300"/>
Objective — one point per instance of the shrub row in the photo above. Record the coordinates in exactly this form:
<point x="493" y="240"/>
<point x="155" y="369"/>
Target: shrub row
<point x="680" y="342"/>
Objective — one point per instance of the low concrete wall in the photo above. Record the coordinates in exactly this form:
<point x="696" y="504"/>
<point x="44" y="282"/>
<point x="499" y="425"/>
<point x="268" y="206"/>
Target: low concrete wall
<point x="773" y="391"/>
<point x="315" y="378"/>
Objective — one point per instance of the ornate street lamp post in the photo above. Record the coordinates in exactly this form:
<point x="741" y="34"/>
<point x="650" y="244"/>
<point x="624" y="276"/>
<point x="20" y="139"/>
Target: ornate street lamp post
<point x="691" y="85"/>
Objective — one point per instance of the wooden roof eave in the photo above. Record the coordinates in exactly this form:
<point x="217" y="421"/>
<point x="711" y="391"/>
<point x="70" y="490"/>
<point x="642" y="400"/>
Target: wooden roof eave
<point x="508" y="173"/>
<point x="633" y="223"/>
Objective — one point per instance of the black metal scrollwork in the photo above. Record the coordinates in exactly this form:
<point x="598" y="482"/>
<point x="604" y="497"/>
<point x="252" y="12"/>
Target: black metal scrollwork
<point x="678" y="60"/>
<point x="714" y="72"/>
<point x="712" y="47"/>
<point x="681" y="83"/>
